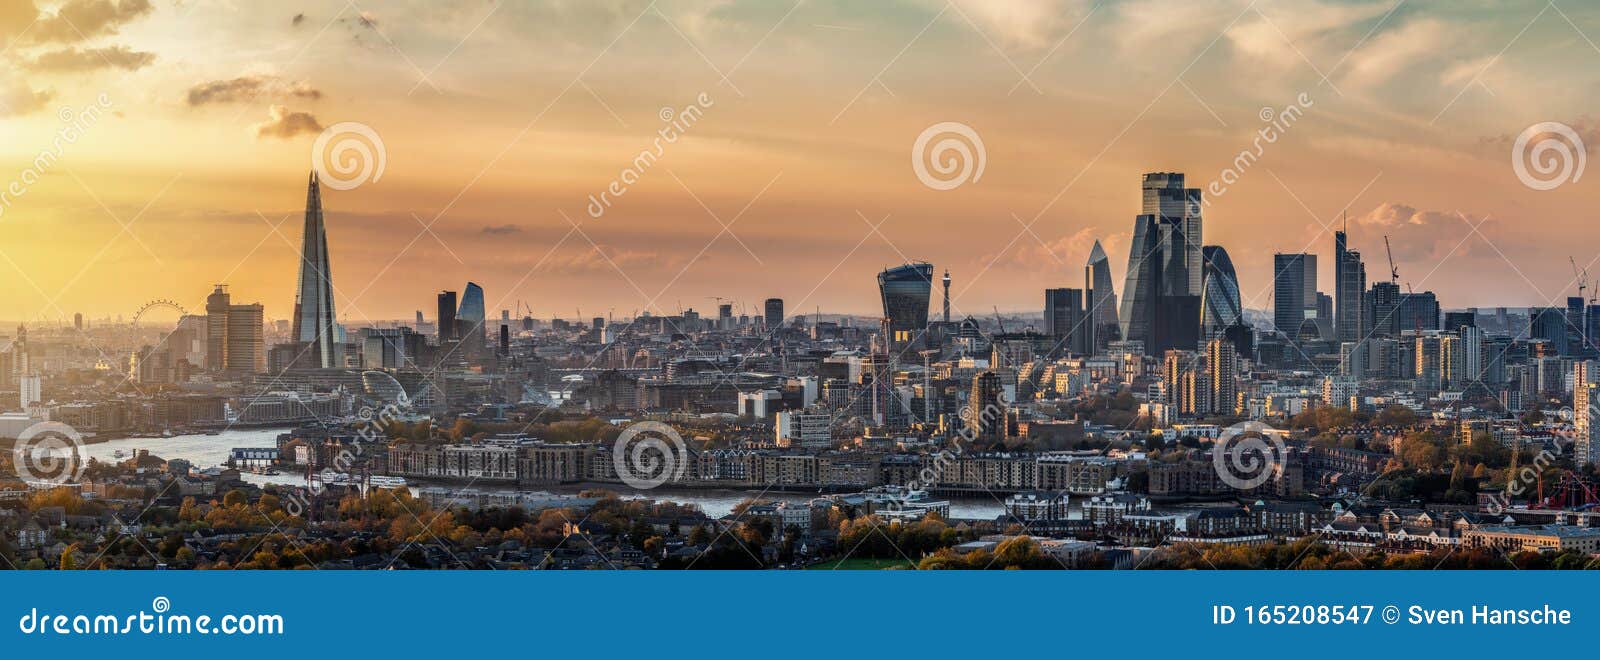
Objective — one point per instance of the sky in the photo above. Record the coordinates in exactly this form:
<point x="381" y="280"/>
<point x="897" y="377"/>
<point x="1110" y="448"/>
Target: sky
<point x="180" y="135"/>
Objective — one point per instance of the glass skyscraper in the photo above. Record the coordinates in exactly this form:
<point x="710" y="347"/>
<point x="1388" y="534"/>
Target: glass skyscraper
<point x="313" y="301"/>
<point x="905" y="291"/>
<point x="1164" y="281"/>
<point x="1100" y="298"/>
<point x="470" y="316"/>
<point x="1219" y="298"/>
<point x="1289" y="289"/>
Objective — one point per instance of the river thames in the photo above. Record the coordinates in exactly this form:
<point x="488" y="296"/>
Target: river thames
<point x="205" y="451"/>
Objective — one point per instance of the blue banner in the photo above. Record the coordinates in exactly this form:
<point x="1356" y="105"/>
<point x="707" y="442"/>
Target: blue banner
<point x="787" y="614"/>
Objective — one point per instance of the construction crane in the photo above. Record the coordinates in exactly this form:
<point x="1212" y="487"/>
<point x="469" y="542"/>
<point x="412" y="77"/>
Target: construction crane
<point x="1394" y="272"/>
<point x="1581" y="276"/>
<point x="998" y="320"/>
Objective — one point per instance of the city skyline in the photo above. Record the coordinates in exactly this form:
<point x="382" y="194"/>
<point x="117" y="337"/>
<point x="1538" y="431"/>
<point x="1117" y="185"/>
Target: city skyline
<point x="110" y="224"/>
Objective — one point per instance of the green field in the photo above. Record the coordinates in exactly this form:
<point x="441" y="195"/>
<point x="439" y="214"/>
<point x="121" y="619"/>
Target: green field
<point x="862" y="564"/>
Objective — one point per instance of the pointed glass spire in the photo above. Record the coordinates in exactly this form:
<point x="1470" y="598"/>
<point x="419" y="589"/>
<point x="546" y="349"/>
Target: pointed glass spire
<point x="313" y="302"/>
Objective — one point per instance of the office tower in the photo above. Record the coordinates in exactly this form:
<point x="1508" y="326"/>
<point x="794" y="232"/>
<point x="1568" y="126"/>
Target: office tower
<point x="1219" y="298"/>
<point x="1457" y="320"/>
<point x="1183" y="386"/>
<point x="1417" y="311"/>
<point x="391" y="348"/>
<point x="1549" y="324"/>
<point x="1165" y="197"/>
<point x="1349" y="288"/>
<point x="217" y="329"/>
<point x="1064" y="321"/>
<point x="247" y="349"/>
<point x="1471" y="356"/>
<point x="1591" y="330"/>
<point x="905" y="291"/>
<point x="447" y="317"/>
<point x="1323" y="314"/>
<point x="1221" y="377"/>
<point x="77" y="321"/>
<point x="947" y="295"/>
<point x="31" y="390"/>
<point x="724" y="316"/>
<point x="774" y="314"/>
<point x="313" y="300"/>
<point x="986" y="410"/>
<point x="469" y="316"/>
<point x="1585" y="429"/>
<point x="1290" y="291"/>
<point x="419" y="320"/>
<point x="1100" y="300"/>
<point x="235" y="335"/>
<point x="1161" y="294"/>
<point x="505" y="339"/>
<point x="1430" y="360"/>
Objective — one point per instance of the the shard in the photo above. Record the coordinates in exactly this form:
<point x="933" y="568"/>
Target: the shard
<point x="313" y="300"/>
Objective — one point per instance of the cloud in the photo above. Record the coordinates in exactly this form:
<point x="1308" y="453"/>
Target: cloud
<point x="86" y="59"/>
<point x="248" y="88"/>
<point x="1587" y="128"/>
<point x="501" y="230"/>
<point x="282" y="123"/>
<point x="17" y="98"/>
<point x="1065" y="254"/>
<point x="599" y="259"/>
<point x="1391" y="53"/>
<point x="1026" y="24"/>
<point x="1425" y="236"/>
<point x="79" y="20"/>
<point x="15" y="16"/>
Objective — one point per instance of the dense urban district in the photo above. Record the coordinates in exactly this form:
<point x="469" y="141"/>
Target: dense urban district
<point x="1155" y="425"/>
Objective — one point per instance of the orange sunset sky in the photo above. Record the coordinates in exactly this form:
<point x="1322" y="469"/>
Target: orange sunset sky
<point x="499" y="120"/>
